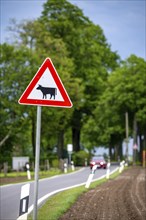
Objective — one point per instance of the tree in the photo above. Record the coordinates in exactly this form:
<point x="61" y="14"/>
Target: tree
<point x="64" y="65"/>
<point x="89" y="51"/>
<point x="124" y="93"/>
<point x="134" y="90"/>
<point x="37" y="41"/>
<point x="14" y="119"/>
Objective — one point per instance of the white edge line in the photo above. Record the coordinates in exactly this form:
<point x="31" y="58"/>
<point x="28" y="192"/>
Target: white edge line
<point x="43" y="179"/>
<point x="42" y="199"/>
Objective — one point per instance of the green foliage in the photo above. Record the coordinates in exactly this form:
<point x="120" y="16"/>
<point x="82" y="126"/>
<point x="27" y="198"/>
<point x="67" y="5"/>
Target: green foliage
<point x="79" y="157"/>
<point x="125" y="92"/>
<point x="91" y="54"/>
<point x="55" y="163"/>
<point x="101" y="88"/>
<point x="14" y="119"/>
<point x="23" y="65"/>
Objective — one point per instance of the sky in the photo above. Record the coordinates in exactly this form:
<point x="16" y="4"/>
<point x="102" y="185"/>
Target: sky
<point x="123" y="21"/>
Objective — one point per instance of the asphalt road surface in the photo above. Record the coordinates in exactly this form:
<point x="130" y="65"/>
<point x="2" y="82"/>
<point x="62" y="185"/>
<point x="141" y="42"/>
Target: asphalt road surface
<point x="10" y="194"/>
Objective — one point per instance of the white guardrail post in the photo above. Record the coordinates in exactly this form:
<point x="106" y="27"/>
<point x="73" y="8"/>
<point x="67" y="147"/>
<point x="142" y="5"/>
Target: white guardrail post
<point x="121" y="168"/>
<point x="24" y="200"/>
<point x="108" y="170"/>
<point x="28" y="171"/>
<point x="65" y="167"/>
<point x="91" y="176"/>
<point x="72" y="166"/>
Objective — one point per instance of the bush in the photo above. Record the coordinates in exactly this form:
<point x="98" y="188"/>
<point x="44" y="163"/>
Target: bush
<point x="55" y="163"/>
<point x="79" y="157"/>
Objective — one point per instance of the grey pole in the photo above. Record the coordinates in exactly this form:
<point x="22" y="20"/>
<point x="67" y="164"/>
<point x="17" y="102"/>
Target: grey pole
<point x="37" y="159"/>
<point x="127" y="134"/>
<point x="69" y="158"/>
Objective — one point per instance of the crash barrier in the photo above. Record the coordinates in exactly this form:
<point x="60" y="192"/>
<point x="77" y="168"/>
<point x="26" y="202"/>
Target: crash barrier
<point x="24" y="200"/>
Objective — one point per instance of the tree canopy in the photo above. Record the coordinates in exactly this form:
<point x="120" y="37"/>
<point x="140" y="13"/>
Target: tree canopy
<point x="101" y="87"/>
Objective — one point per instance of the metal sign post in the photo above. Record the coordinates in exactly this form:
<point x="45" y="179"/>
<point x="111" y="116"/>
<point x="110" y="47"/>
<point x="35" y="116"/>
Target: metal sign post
<point x="45" y="89"/>
<point x="69" y="149"/>
<point x="37" y="159"/>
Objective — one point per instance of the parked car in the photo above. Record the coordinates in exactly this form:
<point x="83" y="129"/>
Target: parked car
<point x="99" y="161"/>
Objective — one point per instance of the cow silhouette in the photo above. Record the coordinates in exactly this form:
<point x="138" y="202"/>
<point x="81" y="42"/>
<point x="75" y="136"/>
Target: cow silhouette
<point x="47" y="90"/>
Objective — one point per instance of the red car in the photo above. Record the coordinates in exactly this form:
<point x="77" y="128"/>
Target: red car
<point x="99" y="161"/>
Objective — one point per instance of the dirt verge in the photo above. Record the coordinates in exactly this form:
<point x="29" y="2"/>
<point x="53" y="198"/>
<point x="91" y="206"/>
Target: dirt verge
<point x="10" y="180"/>
<point x="123" y="198"/>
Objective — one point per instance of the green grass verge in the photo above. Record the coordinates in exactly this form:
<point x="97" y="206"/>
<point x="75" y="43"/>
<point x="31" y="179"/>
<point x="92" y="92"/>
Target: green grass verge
<point x="49" y="173"/>
<point x="13" y="174"/>
<point x="58" y="204"/>
<point x="18" y="177"/>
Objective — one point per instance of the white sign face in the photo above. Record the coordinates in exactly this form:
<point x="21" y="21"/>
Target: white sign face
<point x="69" y="147"/>
<point x="46" y="88"/>
<point x="19" y="162"/>
<point x="46" y="81"/>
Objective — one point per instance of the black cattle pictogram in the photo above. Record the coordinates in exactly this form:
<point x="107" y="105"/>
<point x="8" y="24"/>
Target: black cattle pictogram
<point x="47" y="90"/>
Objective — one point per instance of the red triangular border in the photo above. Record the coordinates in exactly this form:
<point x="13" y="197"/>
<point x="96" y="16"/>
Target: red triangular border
<point x="24" y="98"/>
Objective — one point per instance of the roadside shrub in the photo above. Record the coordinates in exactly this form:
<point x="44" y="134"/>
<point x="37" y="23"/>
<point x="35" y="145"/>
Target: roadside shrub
<point x="55" y="163"/>
<point x="79" y="157"/>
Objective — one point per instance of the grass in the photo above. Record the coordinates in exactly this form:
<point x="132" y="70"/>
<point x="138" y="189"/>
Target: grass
<point x="42" y="173"/>
<point x="17" y="177"/>
<point x="13" y="174"/>
<point x="58" y="204"/>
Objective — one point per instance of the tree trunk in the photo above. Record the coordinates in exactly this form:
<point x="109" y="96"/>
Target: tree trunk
<point x="76" y="129"/>
<point x="76" y="139"/>
<point x="116" y="152"/>
<point x="141" y="148"/>
<point x="110" y="152"/>
<point x="60" y="144"/>
<point x="120" y="153"/>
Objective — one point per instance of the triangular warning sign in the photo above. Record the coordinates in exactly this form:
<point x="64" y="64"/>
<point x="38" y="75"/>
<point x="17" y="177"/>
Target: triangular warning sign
<point x="46" y="88"/>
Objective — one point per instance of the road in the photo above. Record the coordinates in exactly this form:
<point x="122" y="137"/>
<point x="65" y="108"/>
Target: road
<point x="10" y="194"/>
